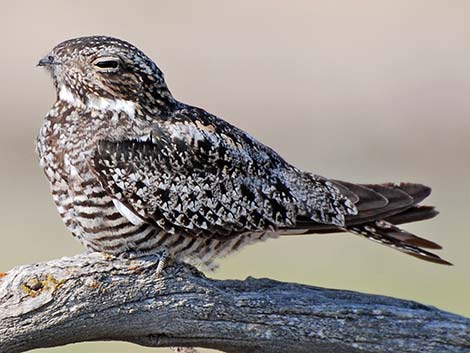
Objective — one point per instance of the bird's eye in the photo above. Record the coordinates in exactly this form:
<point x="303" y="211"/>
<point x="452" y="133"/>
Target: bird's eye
<point x="107" y="64"/>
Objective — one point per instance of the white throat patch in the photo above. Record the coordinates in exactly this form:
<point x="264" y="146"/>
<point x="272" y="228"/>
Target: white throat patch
<point x="99" y="103"/>
<point x="67" y="96"/>
<point x="118" y="105"/>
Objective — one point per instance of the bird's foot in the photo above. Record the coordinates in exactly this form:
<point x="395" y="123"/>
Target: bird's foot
<point x="162" y="262"/>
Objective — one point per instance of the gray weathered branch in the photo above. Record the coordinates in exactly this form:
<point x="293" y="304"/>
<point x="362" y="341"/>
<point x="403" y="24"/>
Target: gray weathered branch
<point x="93" y="297"/>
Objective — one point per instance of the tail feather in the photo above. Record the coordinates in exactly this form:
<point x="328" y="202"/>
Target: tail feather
<point x="387" y="234"/>
<point x="380" y="208"/>
<point x="379" y="201"/>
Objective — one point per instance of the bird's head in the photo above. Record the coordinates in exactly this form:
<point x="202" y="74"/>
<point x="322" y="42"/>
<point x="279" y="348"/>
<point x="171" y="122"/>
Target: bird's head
<point x="101" y="71"/>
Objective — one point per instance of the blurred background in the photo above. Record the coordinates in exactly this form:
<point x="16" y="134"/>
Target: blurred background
<point x="365" y="91"/>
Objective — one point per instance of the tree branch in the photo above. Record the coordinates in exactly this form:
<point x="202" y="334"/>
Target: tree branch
<point x="93" y="297"/>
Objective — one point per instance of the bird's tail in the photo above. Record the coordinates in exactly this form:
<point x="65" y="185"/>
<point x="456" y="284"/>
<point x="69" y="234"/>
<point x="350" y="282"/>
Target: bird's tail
<point x="380" y="224"/>
<point x="388" y="234"/>
<point x="381" y="207"/>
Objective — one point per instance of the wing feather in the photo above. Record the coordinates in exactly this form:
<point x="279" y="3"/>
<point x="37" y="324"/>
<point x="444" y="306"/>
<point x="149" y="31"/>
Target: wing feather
<point x="200" y="175"/>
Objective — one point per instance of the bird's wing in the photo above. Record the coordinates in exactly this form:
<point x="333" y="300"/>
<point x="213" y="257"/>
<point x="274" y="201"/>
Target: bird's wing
<point x="197" y="174"/>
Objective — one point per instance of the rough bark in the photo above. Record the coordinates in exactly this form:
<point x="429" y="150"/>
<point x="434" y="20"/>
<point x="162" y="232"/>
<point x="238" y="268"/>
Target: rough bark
<point x="93" y="297"/>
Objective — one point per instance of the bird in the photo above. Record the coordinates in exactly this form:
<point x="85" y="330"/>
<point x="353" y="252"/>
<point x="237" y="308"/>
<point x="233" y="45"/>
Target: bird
<point x="134" y="170"/>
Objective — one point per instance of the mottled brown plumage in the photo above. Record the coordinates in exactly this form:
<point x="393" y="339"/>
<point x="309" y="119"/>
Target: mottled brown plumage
<point x="133" y="169"/>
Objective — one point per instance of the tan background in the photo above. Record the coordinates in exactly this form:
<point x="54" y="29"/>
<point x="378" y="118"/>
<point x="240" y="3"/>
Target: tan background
<point x="367" y="91"/>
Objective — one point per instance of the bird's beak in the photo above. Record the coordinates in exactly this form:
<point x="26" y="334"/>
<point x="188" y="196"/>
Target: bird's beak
<point x="47" y="61"/>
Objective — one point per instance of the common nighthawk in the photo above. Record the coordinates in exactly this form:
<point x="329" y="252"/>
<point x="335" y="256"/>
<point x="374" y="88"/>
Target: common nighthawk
<point x="132" y="169"/>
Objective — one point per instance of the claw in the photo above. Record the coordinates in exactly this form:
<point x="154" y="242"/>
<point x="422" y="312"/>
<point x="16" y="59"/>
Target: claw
<point x="164" y="259"/>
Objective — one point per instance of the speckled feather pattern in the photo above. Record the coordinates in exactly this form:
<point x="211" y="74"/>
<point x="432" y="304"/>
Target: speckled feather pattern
<point x="133" y="169"/>
<point x="195" y="174"/>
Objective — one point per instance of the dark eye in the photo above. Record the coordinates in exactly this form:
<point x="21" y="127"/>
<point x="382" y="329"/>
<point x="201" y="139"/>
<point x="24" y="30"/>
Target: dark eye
<point x="110" y="64"/>
<point x="107" y="64"/>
